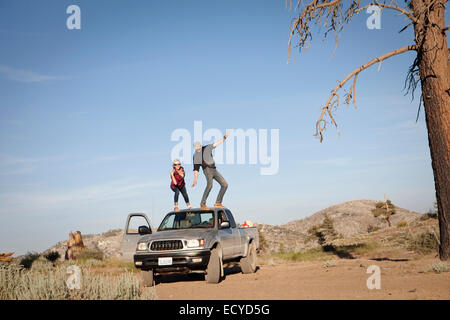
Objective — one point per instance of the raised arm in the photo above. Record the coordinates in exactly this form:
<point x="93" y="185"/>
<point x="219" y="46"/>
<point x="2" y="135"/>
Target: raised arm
<point x="215" y="144"/>
<point x="195" y="178"/>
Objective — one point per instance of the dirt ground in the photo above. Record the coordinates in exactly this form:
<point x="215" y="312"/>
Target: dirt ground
<point x="336" y="279"/>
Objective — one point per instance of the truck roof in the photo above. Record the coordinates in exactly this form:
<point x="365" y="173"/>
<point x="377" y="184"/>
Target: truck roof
<point x="197" y="210"/>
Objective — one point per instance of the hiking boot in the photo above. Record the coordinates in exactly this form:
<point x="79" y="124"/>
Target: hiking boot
<point x="204" y="207"/>
<point x="218" y="205"/>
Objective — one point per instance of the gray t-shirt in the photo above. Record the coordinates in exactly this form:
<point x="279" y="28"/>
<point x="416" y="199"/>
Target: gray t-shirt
<point x="204" y="158"/>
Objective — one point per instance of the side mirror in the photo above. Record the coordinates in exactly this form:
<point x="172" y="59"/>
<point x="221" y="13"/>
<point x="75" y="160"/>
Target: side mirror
<point x="224" y="225"/>
<point x="144" y="230"/>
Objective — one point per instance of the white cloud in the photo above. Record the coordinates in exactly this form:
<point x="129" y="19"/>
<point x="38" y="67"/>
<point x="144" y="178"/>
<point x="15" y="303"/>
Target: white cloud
<point x="330" y="162"/>
<point x="26" y="75"/>
<point x="112" y="190"/>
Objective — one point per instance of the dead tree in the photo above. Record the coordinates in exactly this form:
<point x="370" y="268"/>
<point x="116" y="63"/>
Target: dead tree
<point x="431" y="68"/>
<point x="6" y="257"/>
<point x="74" y="246"/>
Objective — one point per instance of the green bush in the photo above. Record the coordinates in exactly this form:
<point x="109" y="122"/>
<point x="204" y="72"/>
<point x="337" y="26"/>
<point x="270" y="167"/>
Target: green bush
<point x="42" y="264"/>
<point x="90" y="254"/>
<point x="424" y="242"/>
<point x="372" y="228"/>
<point x="401" y="224"/>
<point x="52" y="256"/>
<point x="28" y="259"/>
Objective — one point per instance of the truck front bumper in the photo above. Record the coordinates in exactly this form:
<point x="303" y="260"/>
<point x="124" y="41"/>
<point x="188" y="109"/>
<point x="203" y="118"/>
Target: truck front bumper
<point x="189" y="259"/>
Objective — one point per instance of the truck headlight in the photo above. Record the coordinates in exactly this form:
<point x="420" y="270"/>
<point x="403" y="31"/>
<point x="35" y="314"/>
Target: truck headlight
<point x="142" y="246"/>
<point x="195" y="243"/>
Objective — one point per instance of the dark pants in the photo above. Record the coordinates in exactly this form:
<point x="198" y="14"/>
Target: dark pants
<point x="177" y="193"/>
<point x="211" y="174"/>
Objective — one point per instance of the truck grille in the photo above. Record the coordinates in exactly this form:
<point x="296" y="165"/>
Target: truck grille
<point x="166" y="245"/>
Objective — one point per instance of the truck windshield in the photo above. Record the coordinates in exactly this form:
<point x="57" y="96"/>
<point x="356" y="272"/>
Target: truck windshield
<point x="187" y="220"/>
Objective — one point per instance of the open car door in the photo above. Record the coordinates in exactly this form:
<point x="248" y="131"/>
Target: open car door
<point x="131" y="234"/>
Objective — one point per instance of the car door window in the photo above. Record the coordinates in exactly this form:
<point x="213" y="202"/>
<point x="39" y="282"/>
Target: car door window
<point x="131" y="236"/>
<point x="222" y="217"/>
<point x="230" y="218"/>
<point x="134" y="224"/>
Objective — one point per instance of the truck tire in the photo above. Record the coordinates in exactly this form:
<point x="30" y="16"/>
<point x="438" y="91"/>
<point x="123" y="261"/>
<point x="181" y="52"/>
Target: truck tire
<point x="248" y="263"/>
<point x="147" y="278"/>
<point x="213" y="269"/>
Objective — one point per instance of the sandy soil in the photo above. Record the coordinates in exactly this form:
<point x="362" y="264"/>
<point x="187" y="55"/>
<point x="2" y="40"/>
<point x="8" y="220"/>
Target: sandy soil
<point x="312" y="280"/>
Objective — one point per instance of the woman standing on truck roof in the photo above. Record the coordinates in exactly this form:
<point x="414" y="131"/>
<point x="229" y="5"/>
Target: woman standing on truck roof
<point x="177" y="183"/>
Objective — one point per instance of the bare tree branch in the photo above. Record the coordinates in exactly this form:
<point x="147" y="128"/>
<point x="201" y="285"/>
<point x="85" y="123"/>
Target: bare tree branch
<point x="314" y="11"/>
<point x="333" y="100"/>
<point x="390" y="6"/>
<point x="332" y="16"/>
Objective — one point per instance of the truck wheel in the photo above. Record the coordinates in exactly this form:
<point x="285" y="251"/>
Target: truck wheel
<point x="147" y="277"/>
<point x="213" y="269"/>
<point x="248" y="263"/>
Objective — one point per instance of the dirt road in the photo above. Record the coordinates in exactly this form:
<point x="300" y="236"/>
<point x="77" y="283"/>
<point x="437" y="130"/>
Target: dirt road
<point x="337" y="279"/>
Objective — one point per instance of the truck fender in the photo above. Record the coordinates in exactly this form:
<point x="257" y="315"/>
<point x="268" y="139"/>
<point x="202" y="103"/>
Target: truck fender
<point x="247" y="244"/>
<point x="219" y="249"/>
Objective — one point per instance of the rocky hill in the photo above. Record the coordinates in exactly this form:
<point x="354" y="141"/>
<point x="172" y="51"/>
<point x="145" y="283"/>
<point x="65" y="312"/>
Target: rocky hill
<point x="349" y="219"/>
<point x="108" y="242"/>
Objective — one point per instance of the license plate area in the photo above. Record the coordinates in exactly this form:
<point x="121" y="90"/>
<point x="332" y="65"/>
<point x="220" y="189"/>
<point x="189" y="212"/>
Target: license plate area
<point x="167" y="261"/>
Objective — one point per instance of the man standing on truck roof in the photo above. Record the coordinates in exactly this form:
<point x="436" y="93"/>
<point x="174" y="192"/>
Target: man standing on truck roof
<point x="203" y="157"/>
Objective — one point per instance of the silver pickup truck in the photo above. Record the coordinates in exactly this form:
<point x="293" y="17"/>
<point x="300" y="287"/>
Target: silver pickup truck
<point x="195" y="240"/>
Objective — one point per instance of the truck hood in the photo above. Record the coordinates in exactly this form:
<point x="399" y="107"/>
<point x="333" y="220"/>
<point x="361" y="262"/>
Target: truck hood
<point x="177" y="234"/>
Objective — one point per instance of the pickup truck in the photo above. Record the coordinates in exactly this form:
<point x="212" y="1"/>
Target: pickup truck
<point x="195" y="240"/>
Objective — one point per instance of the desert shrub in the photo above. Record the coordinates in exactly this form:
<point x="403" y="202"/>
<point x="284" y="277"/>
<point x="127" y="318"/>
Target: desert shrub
<point x="90" y="254"/>
<point x="439" y="267"/>
<point x="52" y="256"/>
<point x="111" y="233"/>
<point x="428" y="215"/>
<point x="424" y="242"/>
<point x="431" y="214"/>
<point x="42" y="264"/>
<point x="329" y="264"/>
<point x="17" y="283"/>
<point x="89" y="263"/>
<point x="262" y="241"/>
<point x="28" y="259"/>
<point x="119" y="263"/>
<point x="401" y="224"/>
<point x="307" y="255"/>
<point x="372" y="228"/>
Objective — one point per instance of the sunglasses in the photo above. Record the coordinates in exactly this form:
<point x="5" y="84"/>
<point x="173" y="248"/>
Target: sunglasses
<point x="177" y="164"/>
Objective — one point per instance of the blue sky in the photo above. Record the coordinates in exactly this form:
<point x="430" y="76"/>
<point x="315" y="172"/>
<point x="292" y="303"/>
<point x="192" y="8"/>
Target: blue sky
<point x="86" y="115"/>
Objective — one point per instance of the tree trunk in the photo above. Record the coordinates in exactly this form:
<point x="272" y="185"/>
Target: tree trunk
<point x="434" y="70"/>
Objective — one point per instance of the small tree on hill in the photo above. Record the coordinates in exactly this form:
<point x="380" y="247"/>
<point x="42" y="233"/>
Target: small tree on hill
<point x="324" y="232"/>
<point x="384" y="209"/>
